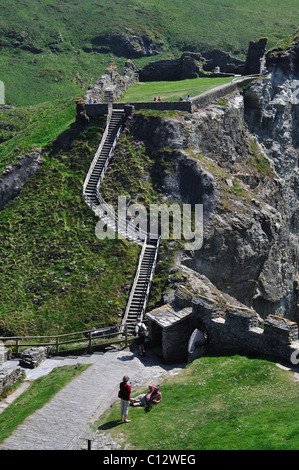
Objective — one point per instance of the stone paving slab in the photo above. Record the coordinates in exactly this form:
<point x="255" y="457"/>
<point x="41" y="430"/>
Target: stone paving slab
<point x="62" y="422"/>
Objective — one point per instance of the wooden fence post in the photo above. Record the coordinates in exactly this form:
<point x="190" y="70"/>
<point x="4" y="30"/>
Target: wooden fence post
<point x="89" y="340"/>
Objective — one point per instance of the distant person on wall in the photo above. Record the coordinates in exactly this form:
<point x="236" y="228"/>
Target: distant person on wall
<point x="141" y="332"/>
<point x="188" y="98"/>
<point x="155" y="99"/>
<point x="181" y="98"/>
<point x="125" y="397"/>
<point x="152" y="397"/>
<point x="159" y="99"/>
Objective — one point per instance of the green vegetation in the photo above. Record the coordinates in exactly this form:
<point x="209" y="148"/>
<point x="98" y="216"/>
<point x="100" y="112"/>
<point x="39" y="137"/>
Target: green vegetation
<point x="25" y="129"/>
<point x="52" y="50"/>
<point x="140" y="183"/>
<point x="57" y="277"/>
<point x="171" y="91"/>
<point x="216" y="403"/>
<point x="37" y="395"/>
<point x="285" y="43"/>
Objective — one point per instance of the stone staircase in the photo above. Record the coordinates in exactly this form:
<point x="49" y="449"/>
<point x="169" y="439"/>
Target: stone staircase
<point x="102" y="158"/>
<point x="141" y="286"/>
<point x="91" y="192"/>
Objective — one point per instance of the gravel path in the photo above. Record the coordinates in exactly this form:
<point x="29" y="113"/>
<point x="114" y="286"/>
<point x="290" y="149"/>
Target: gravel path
<point x="62" y="424"/>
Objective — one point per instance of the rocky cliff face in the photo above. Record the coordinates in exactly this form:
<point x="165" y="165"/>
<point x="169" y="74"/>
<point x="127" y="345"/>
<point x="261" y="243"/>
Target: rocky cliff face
<point x="240" y="159"/>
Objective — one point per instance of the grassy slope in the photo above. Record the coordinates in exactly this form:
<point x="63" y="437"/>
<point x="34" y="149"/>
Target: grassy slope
<point x="216" y="403"/>
<point x="171" y="91"/>
<point x="60" y="30"/>
<point x="56" y="275"/>
<point x="25" y="129"/>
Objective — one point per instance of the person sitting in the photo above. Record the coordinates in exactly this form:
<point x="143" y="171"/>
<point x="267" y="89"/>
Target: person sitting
<point x="188" y="98"/>
<point x="152" y="397"/>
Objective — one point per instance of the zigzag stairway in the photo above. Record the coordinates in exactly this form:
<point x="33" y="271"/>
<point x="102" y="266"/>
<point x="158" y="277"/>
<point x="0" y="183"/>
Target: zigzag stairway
<point x="148" y="257"/>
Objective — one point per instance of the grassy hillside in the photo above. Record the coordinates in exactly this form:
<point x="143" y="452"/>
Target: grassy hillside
<point x="216" y="403"/>
<point x="51" y="50"/>
<point x="56" y="276"/>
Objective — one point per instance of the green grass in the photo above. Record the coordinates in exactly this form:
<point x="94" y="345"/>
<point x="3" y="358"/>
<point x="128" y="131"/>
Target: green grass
<point x="67" y="56"/>
<point x="27" y="128"/>
<point x="171" y="91"/>
<point x="57" y="276"/>
<point x="36" y="396"/>
<point x="216" y="403"/>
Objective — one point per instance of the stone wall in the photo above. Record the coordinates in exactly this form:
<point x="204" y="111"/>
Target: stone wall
<point x="240" y="329"/>
<point x="203" y="100"/>
<point x="191" y="65"/>
<point x="112" y="80"/>
<point x="8" y="377"/>
<point x="96" y="110"/>
<point x="227" y="329"/>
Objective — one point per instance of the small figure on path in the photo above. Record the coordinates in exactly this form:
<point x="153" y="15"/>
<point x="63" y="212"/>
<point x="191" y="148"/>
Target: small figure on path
<point x="125" y="396"/>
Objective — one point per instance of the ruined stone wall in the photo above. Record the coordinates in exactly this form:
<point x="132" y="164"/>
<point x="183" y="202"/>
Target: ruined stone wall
<point x="112" y="80"/>
<point x="239" y="329"/>
<point x="8" y="377"/>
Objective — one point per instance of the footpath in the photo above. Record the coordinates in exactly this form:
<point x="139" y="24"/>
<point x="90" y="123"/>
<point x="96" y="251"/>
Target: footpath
<point x="64" y="422"/>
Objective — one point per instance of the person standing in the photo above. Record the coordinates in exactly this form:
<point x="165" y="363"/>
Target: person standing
<point x="140" y="332"/>
<point x="125" y="397"/>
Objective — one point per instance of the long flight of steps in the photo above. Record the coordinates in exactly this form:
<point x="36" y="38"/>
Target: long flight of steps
<point x="117" y="120"/>
<point x="147" y="260"/>
<point x="140" y="289"/>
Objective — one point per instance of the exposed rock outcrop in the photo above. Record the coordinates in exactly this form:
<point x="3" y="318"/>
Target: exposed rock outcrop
<point x="14" y="177"/>
<point x="191" y="65"/>
<point x="128" y="45"/>
<point x="250" y="247"/>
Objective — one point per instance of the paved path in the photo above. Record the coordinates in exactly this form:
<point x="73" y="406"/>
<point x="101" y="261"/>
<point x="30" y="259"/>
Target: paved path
<point x="62" y="424"/>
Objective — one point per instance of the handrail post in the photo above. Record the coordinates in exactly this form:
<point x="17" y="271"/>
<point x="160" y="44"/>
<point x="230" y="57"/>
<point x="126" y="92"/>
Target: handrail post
<point x="126" y="336"/>
<point x="57" y="344"/>
<point x="17" y="346"/>
<point x="89" y="340"/>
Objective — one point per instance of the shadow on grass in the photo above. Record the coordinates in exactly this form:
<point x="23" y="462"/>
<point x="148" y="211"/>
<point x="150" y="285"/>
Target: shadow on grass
<point x="110" y="425"/>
